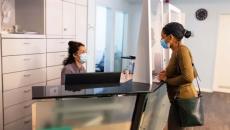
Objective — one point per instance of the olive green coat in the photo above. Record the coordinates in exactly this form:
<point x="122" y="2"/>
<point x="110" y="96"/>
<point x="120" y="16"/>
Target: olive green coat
<point x="180" y="74"/>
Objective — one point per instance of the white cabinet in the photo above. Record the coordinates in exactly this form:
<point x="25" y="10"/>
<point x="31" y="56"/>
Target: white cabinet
<point x="54" y="72"/>
<point x="28" y="59"/>
<point x="71" y="1"/>
<point x="68" y="19"/>
<point x="54" y="17"/>
<point x="56" y="58"/>
<point x="23" y="124"/>
<point x="54" y="45"/>
<point x="17" y="111"/>
<point x="81" y="23"/>
<point x="57" y="45"/>
<point x="23" y="46"/>
<point x="54" y="82"/>
<point x="60" y="18"/>
<point x="23" y="62"/>
<point x="17" y="96"/>
<point x="24" y="78"/>
<point x="82" y="2"/>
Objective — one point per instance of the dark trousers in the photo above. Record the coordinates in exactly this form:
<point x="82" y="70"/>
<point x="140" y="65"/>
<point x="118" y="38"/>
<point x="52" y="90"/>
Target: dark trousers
<point x="173" y="120"/>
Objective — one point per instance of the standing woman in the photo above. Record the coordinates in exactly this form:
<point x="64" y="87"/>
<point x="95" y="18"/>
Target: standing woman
<point x="75" y="60"/>
<point x="179" y="73"/>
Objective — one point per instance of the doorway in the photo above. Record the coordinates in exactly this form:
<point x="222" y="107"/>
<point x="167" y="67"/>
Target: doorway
<point x="110" y="35"/>
<point x="222" y="63"/>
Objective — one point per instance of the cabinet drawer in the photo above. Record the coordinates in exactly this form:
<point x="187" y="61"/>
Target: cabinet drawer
<point x="23" y="62"/>
<point x="22" y="124"/>
<point x="25" y="78"/>
<point x="54" y="82"/>
<point x="55" y="45"/>
<point x="82" y="2"/>
<point x="56" y="58"/>
<point x="72" y="1"/>
<point x="19" y="95"/>
<point x="23" y="46"/>
<point x="54" y="72"/>
<point x="17" y="111"/>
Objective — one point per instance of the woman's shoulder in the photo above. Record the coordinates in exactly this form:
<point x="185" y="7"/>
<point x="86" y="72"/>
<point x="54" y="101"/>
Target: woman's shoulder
<point x="182" y="46"/>
<point x="183" y="49"/>
<point x="67" y="67"/>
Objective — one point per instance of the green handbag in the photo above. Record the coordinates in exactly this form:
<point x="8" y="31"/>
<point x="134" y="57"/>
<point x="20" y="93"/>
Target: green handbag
<point x="190" y="111"/>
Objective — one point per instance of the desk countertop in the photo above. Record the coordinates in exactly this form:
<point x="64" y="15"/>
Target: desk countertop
<point x="61" y="91"/>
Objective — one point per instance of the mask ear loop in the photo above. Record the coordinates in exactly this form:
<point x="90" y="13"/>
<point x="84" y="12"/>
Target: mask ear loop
<point x="168" y="44"/>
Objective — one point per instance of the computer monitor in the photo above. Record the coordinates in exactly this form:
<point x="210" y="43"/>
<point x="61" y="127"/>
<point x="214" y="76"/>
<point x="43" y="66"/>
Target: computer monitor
<point x="92" y="80"/>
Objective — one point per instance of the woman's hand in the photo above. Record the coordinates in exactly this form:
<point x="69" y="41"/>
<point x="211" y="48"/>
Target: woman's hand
<point x="162" y="76"/>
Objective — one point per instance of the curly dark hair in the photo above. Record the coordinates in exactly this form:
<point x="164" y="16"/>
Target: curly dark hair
<point x="73" y="48"/>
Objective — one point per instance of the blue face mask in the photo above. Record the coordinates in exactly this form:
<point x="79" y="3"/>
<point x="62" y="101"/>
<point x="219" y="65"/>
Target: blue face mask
<point x="164" y="44"/>
<point x="83" y="58"/>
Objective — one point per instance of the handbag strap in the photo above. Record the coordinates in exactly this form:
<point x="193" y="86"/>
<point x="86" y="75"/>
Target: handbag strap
<point x="159" y="85"/>
<point x="197" y="82"/>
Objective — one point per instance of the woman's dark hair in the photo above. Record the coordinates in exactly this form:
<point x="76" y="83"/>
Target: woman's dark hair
<point x="73" y="48"/>
<point x="177" y="30"/>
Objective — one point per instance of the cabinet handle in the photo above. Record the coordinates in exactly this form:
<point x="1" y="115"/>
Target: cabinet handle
<point x="27" y="75"/>
<point x="26" y="91"/>
<point x="26" y="43"/>
<point x="26" y="59"/>
<point x="27" y="106"/>
<point x="90" y="27"/>
<point x="65" y="29"/>
<point x="26" y="122"/>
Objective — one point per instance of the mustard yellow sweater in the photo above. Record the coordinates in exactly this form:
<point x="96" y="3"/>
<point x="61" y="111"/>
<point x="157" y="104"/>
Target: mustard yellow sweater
<point x="180" y="74"/>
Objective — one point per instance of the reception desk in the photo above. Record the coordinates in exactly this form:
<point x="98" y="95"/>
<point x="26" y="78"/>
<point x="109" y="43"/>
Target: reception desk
<point x="106" y="107"/>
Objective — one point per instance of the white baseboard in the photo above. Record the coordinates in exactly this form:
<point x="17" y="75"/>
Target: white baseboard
<point x="205" y="90"/>
<point x="215" y="90"/>
<point x="222" y="90"/>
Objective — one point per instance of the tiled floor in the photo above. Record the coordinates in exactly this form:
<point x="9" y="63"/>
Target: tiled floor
<point x="217" y="111"/>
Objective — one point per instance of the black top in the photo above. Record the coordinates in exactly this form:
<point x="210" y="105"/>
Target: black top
<point x="127" y="88"/>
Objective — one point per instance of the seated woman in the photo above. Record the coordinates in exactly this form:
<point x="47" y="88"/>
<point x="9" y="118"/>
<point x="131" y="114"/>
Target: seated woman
<point x="75" y="60"/>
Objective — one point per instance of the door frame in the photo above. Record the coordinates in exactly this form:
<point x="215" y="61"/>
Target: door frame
<point x="215" y="86"/>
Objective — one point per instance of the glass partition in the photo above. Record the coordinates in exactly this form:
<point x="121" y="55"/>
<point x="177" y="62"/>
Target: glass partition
<point x="105" y="113"/>
<point x="156" y="112"/>
<point x="117" y="34"/>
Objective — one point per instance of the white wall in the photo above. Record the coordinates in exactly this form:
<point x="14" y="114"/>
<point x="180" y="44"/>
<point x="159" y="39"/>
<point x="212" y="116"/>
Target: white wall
<point x="203" y="44"/>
